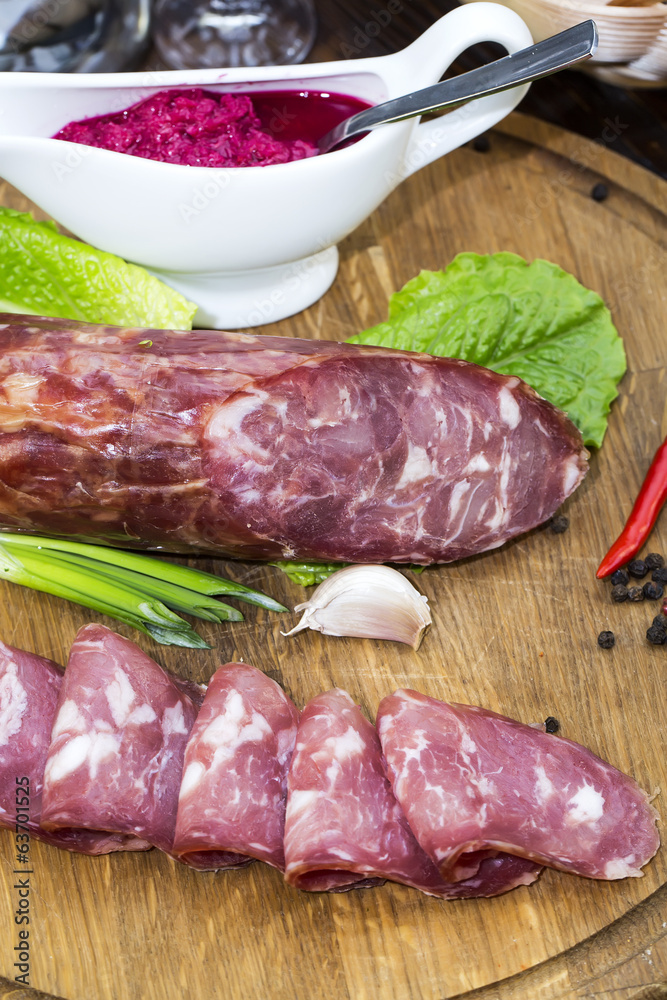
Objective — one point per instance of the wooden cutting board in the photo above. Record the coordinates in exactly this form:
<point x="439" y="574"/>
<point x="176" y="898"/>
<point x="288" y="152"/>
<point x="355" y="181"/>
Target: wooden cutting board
<point x="514" y="631"/>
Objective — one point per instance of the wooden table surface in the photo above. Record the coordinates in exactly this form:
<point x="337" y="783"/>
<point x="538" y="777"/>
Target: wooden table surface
<point x="514" y="630"/>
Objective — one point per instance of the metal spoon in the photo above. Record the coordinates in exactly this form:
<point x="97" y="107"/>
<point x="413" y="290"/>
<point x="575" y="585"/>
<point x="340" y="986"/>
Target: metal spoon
<point x="553" y="54"/>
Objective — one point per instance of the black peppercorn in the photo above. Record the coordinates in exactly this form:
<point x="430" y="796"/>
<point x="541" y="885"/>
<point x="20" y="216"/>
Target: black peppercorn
<point x="659" y="575"/>
<point x="635" y="594"/>
<point x="619" y="593"/>
<point x="606" y="640"/>
<point x="637" y="569"/>
<point x="652" y="591"/>
<point x="599" y="192"/>
<point x="657" y="635"/>
<point x="620" y="576"/>
<point x="654" y="560"/>
<point x="481" y="144"/>
<point x="559" y="524"/>
<point x="551" y="725"/>
<point x="660" y="622"/>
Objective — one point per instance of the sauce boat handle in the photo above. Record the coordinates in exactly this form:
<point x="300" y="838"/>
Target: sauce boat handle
<point x="426" y="60"/>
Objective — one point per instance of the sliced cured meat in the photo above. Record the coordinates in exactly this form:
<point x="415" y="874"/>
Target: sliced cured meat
<point x="344" y="829"/>
<point x="29" y="687"/>
<point x="341" y="828"/>
<point x="497" y="873"/>
<point x="471" y="780"/>
<point x="231" y="806"/>
<point x="117" y="742"/>
<point x="265" y="447"/>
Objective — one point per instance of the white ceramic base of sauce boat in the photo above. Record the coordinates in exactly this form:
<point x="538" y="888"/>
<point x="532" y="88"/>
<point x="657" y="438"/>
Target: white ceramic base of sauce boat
<point x="235" y="300"/>
<point x="236" y="221"/>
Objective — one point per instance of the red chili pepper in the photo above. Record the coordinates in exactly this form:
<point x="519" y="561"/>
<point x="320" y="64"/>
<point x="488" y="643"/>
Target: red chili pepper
<point x="643" y="516"/>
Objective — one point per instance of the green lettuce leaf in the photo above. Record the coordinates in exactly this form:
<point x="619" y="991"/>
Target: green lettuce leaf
<point x="531" y="320"/>
<point x="44" y="273"/>
<point x="307" y="574"/>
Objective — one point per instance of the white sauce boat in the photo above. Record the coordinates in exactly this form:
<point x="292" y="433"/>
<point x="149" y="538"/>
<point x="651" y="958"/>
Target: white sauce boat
<point x="250" y="245"/>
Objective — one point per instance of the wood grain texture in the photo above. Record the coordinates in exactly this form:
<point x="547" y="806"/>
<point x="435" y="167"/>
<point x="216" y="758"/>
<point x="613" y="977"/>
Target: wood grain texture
<point x="514" y="630"/>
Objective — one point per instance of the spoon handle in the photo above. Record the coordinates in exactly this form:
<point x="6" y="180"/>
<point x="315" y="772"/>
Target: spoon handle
<point x="553" y="54"/>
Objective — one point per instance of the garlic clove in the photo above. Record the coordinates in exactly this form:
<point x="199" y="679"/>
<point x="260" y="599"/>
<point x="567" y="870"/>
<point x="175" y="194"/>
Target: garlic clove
<point x="369" y="602"/>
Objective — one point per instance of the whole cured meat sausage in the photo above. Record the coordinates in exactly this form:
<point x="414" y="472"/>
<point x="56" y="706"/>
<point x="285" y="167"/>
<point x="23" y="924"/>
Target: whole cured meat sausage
<point x="118" y="740"/>
<point x="265" y="447"/>
<point x="29" y="688"/>
<point x="345" y="830"/>
<point x="231" y="806"/>
<point x="469" y="779"/>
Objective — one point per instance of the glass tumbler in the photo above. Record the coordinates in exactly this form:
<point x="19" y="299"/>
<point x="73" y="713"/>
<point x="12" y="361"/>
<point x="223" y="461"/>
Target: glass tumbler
<point x="191" y="34"/>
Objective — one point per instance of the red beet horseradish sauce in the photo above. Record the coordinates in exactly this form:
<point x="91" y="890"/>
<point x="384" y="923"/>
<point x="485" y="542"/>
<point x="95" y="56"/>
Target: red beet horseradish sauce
<point x="200" y="128"/>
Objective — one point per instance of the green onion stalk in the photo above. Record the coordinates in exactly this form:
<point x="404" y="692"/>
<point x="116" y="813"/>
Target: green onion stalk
<point x="137" y="589"/>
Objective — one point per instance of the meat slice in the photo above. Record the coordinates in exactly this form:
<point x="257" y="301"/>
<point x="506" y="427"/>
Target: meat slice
<point x="344" y="829"/>
<point x="29" y="687"/>
<point x="117" y="743"/>
<point x="471" y="780"/>
<point x="266" y="447"/>
<point x="231" y="806"/>
<point x="497" y="873"/>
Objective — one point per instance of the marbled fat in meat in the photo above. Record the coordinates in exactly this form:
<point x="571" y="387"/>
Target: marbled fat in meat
<point x="344" y="828"/>
<point x="118" y="741"/>
<point x="29" y="688"/>
<point x="469" y="780"/>
<point x="265" y="447"/>
<point x="231" y="806"/>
